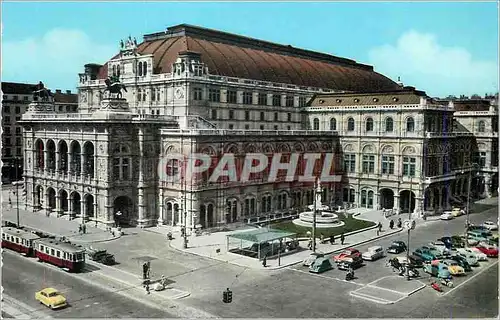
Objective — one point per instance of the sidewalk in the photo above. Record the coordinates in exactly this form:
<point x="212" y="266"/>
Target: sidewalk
<point x="38" y="221"/>
<point x="214" y="245"/>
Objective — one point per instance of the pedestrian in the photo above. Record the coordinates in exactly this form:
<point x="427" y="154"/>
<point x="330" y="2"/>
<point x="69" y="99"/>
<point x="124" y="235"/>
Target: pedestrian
<point x="332" y="239"/>
<point x="10" y="202"/>
<point x="147" y="287"/>
<point x="145" y="270"/>
<point x="80" y="229"/>
<point x="310" y="245"/>
<point x="379" y="228"/>
<point x="400" y="223"/>
<point x="84" y="228"/>
<point x="96" y="223"/>
<point x="342" y="238"/>
<point x="391" y="224"/>
<point x="322" y="238"/>
<point x="264" y="261"/>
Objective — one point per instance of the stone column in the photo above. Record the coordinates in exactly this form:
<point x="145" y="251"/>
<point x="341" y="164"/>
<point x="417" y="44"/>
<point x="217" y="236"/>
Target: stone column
<point x="58" y="205"/>
<point x="95" y="164"/>
<point x="96" y="208"/>
<point x="82" y="163"/>
<point x="431" y="200"/>
<point x="396" y="203"/>
<point x="142" y="210"/>
<point x="82" y="209"/>
<point x="58" y="159"/>
<point x="487" y="185"/>
<point x="45" y="204"/>
<point x="70" y="206"/>
<point x="70" y="161"/>
<point x="45" y="159"/>
<point x="440" y="197"/>
<point x="161" y="207"/>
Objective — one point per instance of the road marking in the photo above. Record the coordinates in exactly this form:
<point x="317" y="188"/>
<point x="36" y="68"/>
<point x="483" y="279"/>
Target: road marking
<point x="370" y="298"/>
<point x="21" y="310"/>
<point x="469" y="279"/>
<point x="325" y="277"/>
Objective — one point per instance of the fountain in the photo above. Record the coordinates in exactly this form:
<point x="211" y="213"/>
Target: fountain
<point x="325" y="218"/>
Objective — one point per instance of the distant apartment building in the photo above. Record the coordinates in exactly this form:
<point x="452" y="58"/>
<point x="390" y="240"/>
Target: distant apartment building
<point x="15" y="100"/>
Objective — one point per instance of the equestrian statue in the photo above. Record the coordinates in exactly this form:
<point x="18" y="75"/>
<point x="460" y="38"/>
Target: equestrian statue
<point x="114" y="86"/>
<point x="42" y="93"/>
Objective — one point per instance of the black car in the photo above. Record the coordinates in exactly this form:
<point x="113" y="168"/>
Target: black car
<point x="416" y="261"/>
<point x="397" y="247"/>
<point x="462" y="262"/>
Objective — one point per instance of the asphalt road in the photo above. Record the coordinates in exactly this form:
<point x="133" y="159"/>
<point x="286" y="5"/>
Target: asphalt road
<point x="21" y="279"/>
<point x="292" y="294"/>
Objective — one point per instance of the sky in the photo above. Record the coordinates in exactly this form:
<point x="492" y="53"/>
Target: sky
<point x="443" y="48"/>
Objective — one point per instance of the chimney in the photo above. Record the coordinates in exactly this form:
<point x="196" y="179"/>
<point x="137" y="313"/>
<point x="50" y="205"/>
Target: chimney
<point x="68" y="91"/>
<point x="58" y="90"/>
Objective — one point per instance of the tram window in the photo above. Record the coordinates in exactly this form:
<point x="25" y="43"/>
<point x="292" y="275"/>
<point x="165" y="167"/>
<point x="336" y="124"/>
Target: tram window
<point x="46" y="250"/>
<point x="17" y="240"/>
<point x="70" y="257"/>
<point x="3" y="235"/>
<point x="41" y="248"/>
<point x="52" y="252"/>
<point x="58" y="253"/>
<point x="22" y="241"/>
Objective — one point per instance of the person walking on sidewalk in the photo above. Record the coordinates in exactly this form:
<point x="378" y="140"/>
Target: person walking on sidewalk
<point x="379" y="228"/>
<point x="80" y="229"/>
<point x="400" y="223"/>
<point x="342" y="238"/>
<point x="84" y="228"/>
<point x="391" y="224"/>
<point x="264" y="261"/>
<point x="332" y="239"/>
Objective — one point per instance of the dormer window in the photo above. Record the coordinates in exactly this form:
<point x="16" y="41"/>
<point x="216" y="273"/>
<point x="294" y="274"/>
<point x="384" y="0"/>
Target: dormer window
<point x="375" y="99"/>
<point x="321" y="101"/>
<point x="356" y="100"/>
<point x="338" y="100"/>
<point x="395" y="99"/>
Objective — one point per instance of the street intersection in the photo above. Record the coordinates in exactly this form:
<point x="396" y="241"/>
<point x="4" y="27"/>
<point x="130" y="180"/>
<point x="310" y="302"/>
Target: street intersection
<point x="289" y="292"/>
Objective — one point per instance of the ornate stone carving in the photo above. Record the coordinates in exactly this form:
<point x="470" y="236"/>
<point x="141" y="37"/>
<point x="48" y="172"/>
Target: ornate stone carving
<point x="41" y="107"/>
<point x="179" y="93"/>
<point x="101" y="149"/>
<point x="368" y="148"/>
<point x="388" y="149"/>
<point x="348" y="147"/>
<point x="114" y="105"/>
<point x="83" y="97"/>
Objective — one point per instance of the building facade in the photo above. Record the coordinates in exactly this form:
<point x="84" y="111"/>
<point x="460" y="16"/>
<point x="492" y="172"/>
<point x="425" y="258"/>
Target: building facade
<point x="400" y="149"/>
<point x="15" y="100"/>
<point x="194" y="89"/>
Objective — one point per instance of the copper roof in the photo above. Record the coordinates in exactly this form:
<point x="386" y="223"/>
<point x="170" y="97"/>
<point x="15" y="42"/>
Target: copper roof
<point x="65" y="98"/>
<point x="18" y="88"/>
<point x="237" y="56"/>
<point x="471" y="105"/>
<point x="402" y="96"/>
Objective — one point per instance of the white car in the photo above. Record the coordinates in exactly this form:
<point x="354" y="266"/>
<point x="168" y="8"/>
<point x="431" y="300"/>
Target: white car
<point x="490" y="225"/>
<point x="440" y="246"/>
<point x="471" y="258"/>
<point x="373" y="253"/>
<point x="446" y="216"/>
<point x="312" y="257"/>
<point x="476" y="252"/>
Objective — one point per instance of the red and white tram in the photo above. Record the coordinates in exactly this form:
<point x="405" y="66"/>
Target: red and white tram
<point x="19" y="240"/>
<point x="61" y="254"/>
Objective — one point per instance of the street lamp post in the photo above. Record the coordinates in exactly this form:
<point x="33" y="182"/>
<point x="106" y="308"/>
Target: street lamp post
<point x="467" y="221"/>
<point x="314" y="218"/>
<point x="409" y="219"/>
<point x="185" y="230"/>
<point x="16" y="164"/>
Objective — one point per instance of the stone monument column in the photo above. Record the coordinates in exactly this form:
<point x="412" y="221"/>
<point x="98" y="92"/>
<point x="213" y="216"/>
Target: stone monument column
<point x="142" y="218"/>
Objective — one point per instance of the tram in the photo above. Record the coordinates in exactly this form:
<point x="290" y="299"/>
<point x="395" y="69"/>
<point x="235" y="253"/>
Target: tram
<point x="61" y="254"/>
<point x="19" y="240"/>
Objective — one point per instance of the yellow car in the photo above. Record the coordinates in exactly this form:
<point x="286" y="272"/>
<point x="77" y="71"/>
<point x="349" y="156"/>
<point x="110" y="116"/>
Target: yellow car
<point x="456" y="212"/>
<point x="51" y="298"/>
<point x="454" y="268"/>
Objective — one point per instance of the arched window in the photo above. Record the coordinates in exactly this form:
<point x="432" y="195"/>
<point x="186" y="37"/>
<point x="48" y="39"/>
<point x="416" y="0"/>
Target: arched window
<point x="389" y="125"/>
<point x="139" y="69"/>
<point x="114" y="70"/>
<point x="153" y="94"/>
<point x="118" y="71"/>
<point x="410" y="124"/>
<point x="481" y="127"/>
<point x="144" y="68"/>
<point x="315" y="124"/>
<point x="333" y="124"/>
<point x="369" y="124"/>
<point x="350" y="124"/>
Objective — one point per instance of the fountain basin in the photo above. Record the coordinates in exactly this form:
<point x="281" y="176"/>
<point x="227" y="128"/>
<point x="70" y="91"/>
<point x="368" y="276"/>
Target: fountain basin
<point x="323" y="220"/>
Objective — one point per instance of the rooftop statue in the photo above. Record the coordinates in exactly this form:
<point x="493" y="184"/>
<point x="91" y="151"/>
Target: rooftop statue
<point x="114" y="87"/>
<point x="41" y="93"/>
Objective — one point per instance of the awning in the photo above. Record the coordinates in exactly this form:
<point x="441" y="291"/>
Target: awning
<point x="261" y="235"/>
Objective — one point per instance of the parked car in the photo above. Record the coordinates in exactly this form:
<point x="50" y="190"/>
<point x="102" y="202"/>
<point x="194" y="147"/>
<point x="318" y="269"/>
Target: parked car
<point x="490" y="225"/>
<point x="415" y="261"/>
<point x="446" y="216"/>
<point x="452" y="242"/>
<point x="427" y="255"/>
<point x="101" y="256"/>
<point x="373" y="253"/>
<point x="474" y="227"/>
<point x="437" y="269"/>
<point x="354" y="263"/>
<point x="463" y="262"/>
<point x="489" y="251"/>
<point x="321" y="264"/>
<point x="456" y="212"/>
<point x="397" y="247"/>
<point x="454" y="268"/>
<point x="347" y="254"/>
<point x="441" y="246"/>
<point x="313" y="256"/>
<point x="435" y="249"/>
<point x="473" y="251"/>
<point x="470" y="257"/>
<point x="51" y="298"/>
<point x="477" y="235"/>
